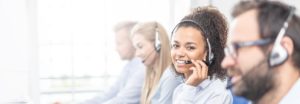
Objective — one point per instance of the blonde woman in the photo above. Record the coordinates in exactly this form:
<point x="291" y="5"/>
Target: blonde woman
<point x="152" y="45"/>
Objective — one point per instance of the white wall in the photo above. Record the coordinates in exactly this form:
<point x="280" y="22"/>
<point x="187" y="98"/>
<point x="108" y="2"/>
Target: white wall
<point x="226" y="6"/>
<point x="18" y="43"/>
<point x="16" y="54"/>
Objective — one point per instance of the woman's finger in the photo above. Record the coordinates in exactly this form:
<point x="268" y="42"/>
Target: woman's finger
<point x="195" y="72"/>
<point x="197" y="65"/>
<point x="204" y="71"/>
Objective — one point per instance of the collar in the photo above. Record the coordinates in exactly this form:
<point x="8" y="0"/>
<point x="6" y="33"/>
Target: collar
<point x="292" y="95"/>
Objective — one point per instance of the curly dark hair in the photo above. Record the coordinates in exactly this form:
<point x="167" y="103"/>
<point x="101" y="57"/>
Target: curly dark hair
<point x="213" y="25"/>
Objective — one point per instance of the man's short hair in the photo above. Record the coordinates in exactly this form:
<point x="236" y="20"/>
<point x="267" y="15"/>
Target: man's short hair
<point x="128" y="25"/>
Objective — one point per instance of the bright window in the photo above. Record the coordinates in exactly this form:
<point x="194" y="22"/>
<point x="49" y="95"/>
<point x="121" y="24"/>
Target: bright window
<point x="76" y="54"/>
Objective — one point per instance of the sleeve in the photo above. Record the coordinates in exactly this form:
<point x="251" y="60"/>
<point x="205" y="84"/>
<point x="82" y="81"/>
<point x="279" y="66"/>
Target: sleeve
<point x="185" y="94"/>
<point x="102" y="97"/>
<point x="167" y="87"/>
<point x="123" y="92"/>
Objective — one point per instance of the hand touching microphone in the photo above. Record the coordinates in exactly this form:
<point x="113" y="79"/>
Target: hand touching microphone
<point x="199" y="74"/>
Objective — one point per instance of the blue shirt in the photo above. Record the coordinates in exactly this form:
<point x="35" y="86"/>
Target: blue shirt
<point x="127" y="89"/>
<point x="240" y="100"/>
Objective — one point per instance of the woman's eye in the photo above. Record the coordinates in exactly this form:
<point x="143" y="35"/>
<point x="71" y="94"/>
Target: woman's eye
<point x="174" y="46"/>
<point x="190" y="48"/>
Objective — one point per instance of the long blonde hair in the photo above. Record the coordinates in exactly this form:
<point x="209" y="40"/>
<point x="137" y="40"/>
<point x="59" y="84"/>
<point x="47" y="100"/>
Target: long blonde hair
<point x="153" y="74"/>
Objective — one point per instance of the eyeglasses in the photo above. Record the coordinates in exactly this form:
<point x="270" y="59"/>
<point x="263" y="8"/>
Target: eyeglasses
<point x="232" y="49"/>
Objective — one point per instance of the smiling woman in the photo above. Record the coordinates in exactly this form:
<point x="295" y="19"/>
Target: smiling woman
<point x="200" y="37"/>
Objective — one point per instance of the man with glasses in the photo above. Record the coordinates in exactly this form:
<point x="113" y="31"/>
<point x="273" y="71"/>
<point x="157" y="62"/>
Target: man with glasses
<point x="263" y="54"/>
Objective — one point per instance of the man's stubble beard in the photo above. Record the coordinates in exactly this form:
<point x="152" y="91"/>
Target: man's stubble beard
<point x="257" y="81"/>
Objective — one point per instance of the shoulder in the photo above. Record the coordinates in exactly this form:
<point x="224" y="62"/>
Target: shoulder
<point x="168" y="75"/>
<point x="134" y="69"/>
<point x="182" y="87"/>
<point x="219" y="87"/>
<point x="135" y="65"/>
<point x="168" y="79"/>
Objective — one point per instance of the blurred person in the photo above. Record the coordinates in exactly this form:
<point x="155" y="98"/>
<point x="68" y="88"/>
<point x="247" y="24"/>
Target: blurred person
<point x="263" y="54"/>
<point x="198" y="41"/>
<point x="152" y="46"/>
<point x="127" y="88"/>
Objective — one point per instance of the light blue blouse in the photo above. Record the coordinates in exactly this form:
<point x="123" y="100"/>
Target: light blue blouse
<point x="208" y="92"/>
<point x="166" y="87"/>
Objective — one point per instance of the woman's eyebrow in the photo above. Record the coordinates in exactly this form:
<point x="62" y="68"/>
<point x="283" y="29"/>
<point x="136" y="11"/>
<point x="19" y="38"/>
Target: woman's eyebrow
<point x="175" y="41"/>
<point x="190" y="43"/>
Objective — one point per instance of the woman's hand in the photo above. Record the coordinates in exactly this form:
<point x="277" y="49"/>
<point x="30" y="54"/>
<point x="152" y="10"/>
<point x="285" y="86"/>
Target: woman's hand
<point x="199" y="74"/>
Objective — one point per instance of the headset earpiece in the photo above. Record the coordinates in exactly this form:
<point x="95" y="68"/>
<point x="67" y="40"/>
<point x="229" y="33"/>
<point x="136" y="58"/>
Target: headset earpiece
<point x="210" y="53"/>
<point x="157" y="42"/>
<point x="279" y="54"/>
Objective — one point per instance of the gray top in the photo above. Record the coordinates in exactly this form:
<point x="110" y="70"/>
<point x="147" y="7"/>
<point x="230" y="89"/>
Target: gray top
<point x="127" y="88"/>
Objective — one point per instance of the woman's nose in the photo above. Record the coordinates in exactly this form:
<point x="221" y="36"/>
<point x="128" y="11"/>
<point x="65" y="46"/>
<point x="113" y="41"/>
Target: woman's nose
<point x="179" y="52"/>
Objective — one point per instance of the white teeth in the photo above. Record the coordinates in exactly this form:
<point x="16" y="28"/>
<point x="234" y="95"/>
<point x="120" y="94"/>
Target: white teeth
<point x="180" y="61"/>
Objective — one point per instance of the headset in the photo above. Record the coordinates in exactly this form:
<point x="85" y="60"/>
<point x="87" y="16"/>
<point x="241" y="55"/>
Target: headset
<point x="157" y="44"/>
<point x="278" y="53"/>
<point x="210" y="54"/>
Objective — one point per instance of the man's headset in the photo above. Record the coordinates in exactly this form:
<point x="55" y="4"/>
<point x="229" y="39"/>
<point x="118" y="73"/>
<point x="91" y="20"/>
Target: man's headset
<point x="210" y="54"/>
<point x="279" y="54"/>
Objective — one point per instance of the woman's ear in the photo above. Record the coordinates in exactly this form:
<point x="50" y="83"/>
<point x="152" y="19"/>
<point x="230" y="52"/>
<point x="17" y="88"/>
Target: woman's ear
<point x="204" y="56"/>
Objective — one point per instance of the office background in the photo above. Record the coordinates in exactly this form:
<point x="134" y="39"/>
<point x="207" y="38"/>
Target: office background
<point x="63" y="50"/>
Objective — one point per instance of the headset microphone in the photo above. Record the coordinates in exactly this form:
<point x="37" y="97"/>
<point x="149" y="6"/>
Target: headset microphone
<point x="190" y="62"/>
<point x="262" y="62"/>
<point x="187" y="62"/>
<point x="229" y="84"/>
<point x="148" y="55"/>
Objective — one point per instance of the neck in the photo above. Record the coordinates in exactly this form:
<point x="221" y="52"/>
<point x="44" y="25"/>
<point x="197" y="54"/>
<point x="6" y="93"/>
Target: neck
<point x="286" y="77"/>
<point x="132" y="56"/>
<point x="129" y="59"/>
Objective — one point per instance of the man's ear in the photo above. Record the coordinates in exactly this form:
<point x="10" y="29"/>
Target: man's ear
<point x="288" y="44"/>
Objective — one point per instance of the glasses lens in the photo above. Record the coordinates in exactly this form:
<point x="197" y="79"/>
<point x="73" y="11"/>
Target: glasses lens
<point x="230" y="51"/>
